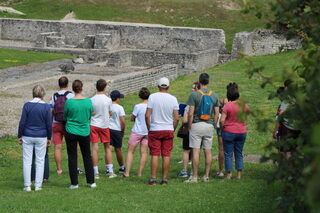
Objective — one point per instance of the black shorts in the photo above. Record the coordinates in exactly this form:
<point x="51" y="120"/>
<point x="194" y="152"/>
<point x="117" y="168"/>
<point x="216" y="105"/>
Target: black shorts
<point x="185" y="143"/>
<point x="116" y="138"/>
<point x="282" y="137"/>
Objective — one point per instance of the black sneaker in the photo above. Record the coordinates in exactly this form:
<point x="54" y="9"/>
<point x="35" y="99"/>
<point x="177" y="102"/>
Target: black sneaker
<point x="164" y="182"/>
<point x="122" y="170"/>
<point x="80" y="172"/>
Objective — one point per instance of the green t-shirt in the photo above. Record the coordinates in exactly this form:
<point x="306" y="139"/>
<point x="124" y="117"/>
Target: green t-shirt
<point x="194" y="100"/>
<point x="77" y="113"/>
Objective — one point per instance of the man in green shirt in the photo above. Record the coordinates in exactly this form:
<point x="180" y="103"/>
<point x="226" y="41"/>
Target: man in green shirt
<point x="201" y="131"/>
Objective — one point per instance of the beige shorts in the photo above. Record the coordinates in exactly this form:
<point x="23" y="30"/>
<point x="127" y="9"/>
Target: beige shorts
<point x="201" y="135"/>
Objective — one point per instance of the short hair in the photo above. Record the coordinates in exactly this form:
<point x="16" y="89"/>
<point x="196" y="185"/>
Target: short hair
<point x="63" y="82"/>
<point x="101" y="85"/>
<point x="197" y="85"/>
<point x="77" y="86"/>
<point x="144" y="93"/>
<point x="204" y="78"/>
<point x="38" y="92"/>
<point x="232" y="91"/>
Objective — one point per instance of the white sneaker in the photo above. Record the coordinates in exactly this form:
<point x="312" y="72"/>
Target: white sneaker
<point x="93" y="185"/>
<point x="112" y="175"/>
<point x="205" y="179"/>
<point x="73" y="186"/>
<point x="191" y="180"/>
<point x="96" y="176"/>
<point x="27" y="189"/>
<point x="37" y="188"/>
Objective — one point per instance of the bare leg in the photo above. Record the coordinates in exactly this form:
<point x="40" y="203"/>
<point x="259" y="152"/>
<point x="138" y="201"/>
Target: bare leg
<point x="165" y="167"/>
<point x="95" y="158"/>
<point x="195" y="162"/>
<point x="143" y="158"/>
<point x="238" y="175"/>
<point x="154" y="166"/>
<point x="185" y="157"/>
<point x="221" y="154"/>
<point x="57" y="155"/>
<point x="129" y="159"/>
<point x="208" y="159"/>
<point x="107" y="153"/>
<point x="119" y="156"/>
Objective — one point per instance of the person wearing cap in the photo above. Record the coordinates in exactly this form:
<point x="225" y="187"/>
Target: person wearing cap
<point x="162" y="118"/>
<point x="117" y="126"/>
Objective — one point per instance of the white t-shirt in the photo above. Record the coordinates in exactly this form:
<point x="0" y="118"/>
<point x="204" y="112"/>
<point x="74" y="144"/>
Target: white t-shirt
<point x="140" y="127"/>
<point x="117" y="112"/>
<point x="162" y="105"/>
<point x="101" y="105"/>
<point x="60" y="92"/>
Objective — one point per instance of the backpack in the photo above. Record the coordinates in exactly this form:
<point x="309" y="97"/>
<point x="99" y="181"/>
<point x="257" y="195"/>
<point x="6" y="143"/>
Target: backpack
<point x="58" y="109"/>
<point x="205" y="106"/>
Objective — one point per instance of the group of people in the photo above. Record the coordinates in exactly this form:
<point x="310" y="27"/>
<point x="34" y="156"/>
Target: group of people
<point x="86" y="121"/>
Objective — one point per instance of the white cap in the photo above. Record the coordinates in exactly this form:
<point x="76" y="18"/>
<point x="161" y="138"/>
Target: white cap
<point x="163" y="82"/>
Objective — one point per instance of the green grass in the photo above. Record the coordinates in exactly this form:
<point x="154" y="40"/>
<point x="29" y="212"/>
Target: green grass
<point x="10" y="58"/>
<point x="250" y="91"/>
<point x="251" y="194"/>
<point x="190" y="13"/>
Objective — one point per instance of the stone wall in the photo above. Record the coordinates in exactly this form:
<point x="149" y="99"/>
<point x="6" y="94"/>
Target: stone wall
<point x="262" y="42"/>
<point x="134" y="81"/>
<point x="123" y="35"/>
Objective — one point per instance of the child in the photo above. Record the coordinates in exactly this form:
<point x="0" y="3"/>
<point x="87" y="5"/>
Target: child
<point x="139" y="133"/>
<point x="185" y="140"/>
<point x="117" y="126"/>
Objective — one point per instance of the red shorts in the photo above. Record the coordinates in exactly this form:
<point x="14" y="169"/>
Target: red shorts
<point x="57" y="133"/>
<point x="97" y="133"/>
<point x="160" y="142"/>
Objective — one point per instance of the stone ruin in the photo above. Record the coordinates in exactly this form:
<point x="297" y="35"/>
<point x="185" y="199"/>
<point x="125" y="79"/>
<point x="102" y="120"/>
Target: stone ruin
<point x="129" y="56"/>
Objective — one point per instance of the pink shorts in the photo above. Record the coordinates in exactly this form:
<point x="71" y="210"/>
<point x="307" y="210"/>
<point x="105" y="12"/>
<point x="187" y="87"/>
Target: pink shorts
<point x="135" y="139"/>
<point x="97" y="133"/>
<point x="160" y="142"/>
<point x="57" y="133"/>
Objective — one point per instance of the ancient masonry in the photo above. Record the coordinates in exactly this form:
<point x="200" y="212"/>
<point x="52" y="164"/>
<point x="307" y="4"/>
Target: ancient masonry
<point x="128" y="55"/>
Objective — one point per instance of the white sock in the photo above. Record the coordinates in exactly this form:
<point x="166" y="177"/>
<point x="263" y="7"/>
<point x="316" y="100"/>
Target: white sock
<point x="109" y="167"/>
<point x="95" y="170"/>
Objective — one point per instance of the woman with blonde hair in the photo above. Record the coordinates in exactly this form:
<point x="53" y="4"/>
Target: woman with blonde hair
<point x="35" y="134"/>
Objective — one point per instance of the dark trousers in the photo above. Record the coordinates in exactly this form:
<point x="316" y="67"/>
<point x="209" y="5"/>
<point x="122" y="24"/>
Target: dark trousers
<point x="46" y="166"/>
<point x="84" y="143"/>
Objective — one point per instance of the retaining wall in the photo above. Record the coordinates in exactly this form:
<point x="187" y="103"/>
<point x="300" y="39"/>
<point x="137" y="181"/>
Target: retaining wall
<point x="134" y="81"/>
<point x="262" y="42"/>
<point x="132" y="36"/>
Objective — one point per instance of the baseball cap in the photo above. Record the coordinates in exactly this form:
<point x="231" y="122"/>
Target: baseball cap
<point x="163" y="82"/>
<point x="116" y="94"/>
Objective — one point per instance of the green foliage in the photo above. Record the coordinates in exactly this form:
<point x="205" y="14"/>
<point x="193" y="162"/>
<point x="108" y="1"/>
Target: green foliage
<point x="299" y="173"/>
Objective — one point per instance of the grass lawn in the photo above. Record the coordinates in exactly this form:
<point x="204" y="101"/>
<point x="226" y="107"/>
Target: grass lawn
<point x="190" y="13"/>
<point x="251" y="194"/>
<point x="10" y="57"/>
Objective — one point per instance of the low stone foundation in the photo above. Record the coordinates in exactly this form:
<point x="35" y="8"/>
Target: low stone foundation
<point x="262" y="42"/>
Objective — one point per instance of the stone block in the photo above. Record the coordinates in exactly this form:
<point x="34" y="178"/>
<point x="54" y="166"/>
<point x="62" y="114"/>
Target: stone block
<point x="55" y="41"/>
<point x="87" y="42"/>
<point x="42" y="38"/>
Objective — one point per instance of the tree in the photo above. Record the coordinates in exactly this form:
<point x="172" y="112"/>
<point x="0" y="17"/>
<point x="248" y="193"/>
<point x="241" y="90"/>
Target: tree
<point x="300" y="174"/>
